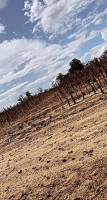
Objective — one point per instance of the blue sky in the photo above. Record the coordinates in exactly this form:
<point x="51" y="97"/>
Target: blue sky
<point x="38" y="39"/>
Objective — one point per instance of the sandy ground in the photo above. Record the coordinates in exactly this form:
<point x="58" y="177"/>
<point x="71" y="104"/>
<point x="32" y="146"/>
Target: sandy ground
<point x="59" y="157"/>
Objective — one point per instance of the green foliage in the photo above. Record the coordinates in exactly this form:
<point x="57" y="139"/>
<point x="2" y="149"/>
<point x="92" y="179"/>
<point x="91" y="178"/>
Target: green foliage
<point x="59" y="78"/>
<point x="75" y="65"/>
<point x="20" y="99"/>
<point x="28" y="94"/>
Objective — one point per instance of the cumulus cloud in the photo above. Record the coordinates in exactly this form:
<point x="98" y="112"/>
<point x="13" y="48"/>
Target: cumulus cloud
<point x="33" y="10"/>
<point x="56" y="16"/>
<point x="2" y="28"/>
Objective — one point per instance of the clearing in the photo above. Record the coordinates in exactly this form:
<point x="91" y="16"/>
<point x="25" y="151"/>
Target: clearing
<point x="56" y="153"/>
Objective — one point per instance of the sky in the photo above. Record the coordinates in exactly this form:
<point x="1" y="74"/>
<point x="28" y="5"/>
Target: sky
<point x="38" y="39"/>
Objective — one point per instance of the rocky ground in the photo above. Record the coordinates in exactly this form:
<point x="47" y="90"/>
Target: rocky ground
<point x="56" y="153"/>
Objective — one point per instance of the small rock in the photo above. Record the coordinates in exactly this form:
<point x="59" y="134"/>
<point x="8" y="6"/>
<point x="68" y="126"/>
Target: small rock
<point x="7" y="189"/>
<point x="48" y="161"/>
<point x="48" y="177"/>
<point x="49" y="195"/>
<point x="29" y="123"/>
<point x="20" y="171"/>
<point x="50" y="137"/>
<point x="20" y="127"/>
<point x="50" y="116"/>
<point x="70" y="151"/>
<point x="64" y="160"/>
<point x="85" y="152"/>
<point x="38" y="128"/>
<point x="40" y="158"/>
<point x="90" y="153"/>
<point x="73" y="158"/>
<point x="61" y="148"/>
<point x="95" y="173"/>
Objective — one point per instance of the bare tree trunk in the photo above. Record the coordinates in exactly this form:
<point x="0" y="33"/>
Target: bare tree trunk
<point x="74" y="90"/>
<point x="101" y="72"/>
<point x="86" y="88"/>
<point x="62" y="94"/>
<point x="70" y="92"/>
<point x="94" y="90"/>
<point x="60" y="99"/>
<point x="82" y="94"/>
<point x="97" y="83"/>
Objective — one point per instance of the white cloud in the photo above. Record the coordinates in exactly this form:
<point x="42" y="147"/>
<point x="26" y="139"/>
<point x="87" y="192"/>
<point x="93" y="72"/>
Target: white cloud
<point x="81" y="34"/>
<point x="3" y="3"/>
<point x="23" y="48"/>
<point x="52" y="58"/>
<point x="94" y="52"/>
<point x="37" y="61"/>
<point x="48" y="2"/>
<point x="56" y="16"/>
<point x="2" y="28"/>
<point x="14" y="89"/>
<point x="98" y="17"/>
<point x="33" y="10"/>
<point x="33" y="55"/>
<point x="20" y="57"/>
<point x="104" y="34"/>
<point x="49" y="76"/>
<point x="98" y="21"/>
<point x="10" y="97"/>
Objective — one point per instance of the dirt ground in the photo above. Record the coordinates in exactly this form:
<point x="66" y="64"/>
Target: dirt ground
<point x="56" y="153"/>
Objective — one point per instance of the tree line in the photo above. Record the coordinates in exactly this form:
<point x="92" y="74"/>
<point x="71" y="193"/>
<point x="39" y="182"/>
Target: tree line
<point x="83" y="79"/>
<point x="79" y="81"/>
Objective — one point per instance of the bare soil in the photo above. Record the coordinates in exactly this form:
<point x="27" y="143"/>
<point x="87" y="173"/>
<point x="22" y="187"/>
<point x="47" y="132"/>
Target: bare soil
<point x="56" y="153"/>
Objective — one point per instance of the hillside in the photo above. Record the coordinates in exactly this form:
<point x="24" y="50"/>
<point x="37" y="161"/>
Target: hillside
<point x="57" y="152"/>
